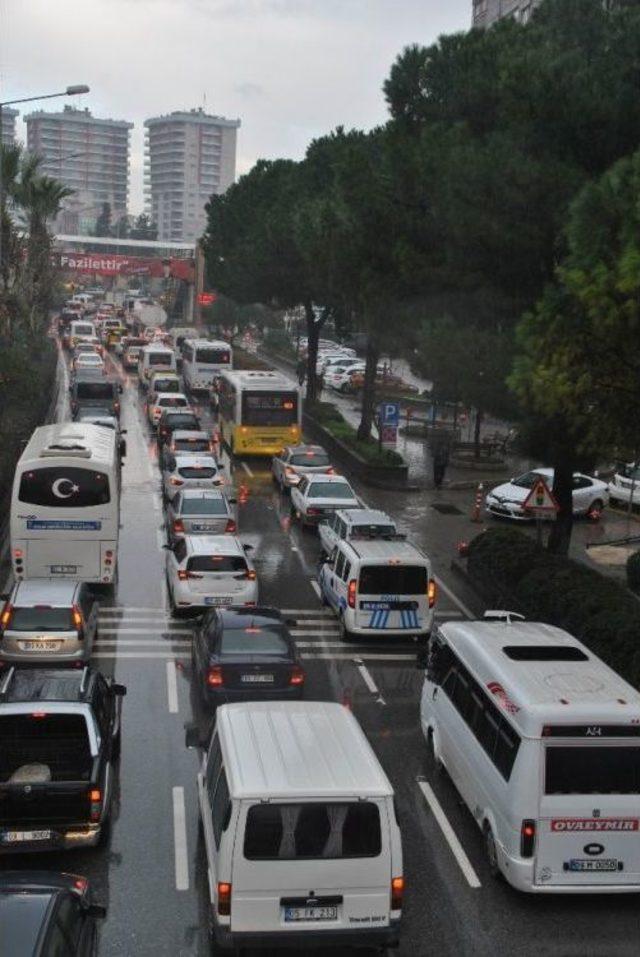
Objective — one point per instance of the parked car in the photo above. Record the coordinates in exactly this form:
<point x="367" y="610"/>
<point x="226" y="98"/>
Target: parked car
<point x="318" y="496"/>
<point x="625" y="484"/>
<point x="45" y="914"/>
<point x="48" y="621"/>
<point x="340" y="378"/>
<point x="201" y="512"/>
<point x="297" y="460"/>
<point x="507" y="500"/>
<point x="182" y="472"/>
<point x="207" y="570"/>
<point x="245" y="654"/>
<point x="59" y="741"/>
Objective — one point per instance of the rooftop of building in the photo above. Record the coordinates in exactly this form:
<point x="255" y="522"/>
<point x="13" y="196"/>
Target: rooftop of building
<point x="195" y="115"/>
<point x="71" y="114"/>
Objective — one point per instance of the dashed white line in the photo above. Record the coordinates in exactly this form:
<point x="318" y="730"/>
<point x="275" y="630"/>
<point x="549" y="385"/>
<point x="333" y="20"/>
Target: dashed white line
<point x="315" y="586"/>
<point x="180" y="840"/>
<point x="247" y="469"/>
<point x="454" y="598"/>
<point x="366" y="676"/>
<point x="172" y="687"/>
<point x="450" y="836"/>
<point x="143" y="631"/>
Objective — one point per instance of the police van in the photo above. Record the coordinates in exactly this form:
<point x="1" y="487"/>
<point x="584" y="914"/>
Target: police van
<point x="542" y="740"/>
<point x="379" y="588"/>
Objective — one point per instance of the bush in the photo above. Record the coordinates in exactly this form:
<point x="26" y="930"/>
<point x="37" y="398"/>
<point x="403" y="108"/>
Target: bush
<point x="278" y="341"/>
<point x="633" y="572"/>
<point x="512" y="572"/>
<point x="328" y="416"/>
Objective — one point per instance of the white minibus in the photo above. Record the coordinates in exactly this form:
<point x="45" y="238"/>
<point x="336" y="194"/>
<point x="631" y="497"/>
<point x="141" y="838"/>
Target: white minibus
<point x="81" y="329"/>
<point x="203" y="361"/>
<point x="302" y="842"/>
<point x="155" y="358"/>
<point x="542" y="740"/>
<point x="65" y="506"/>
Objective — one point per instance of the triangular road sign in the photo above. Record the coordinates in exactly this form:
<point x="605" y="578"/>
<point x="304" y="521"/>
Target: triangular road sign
<point x="541" y="498"/>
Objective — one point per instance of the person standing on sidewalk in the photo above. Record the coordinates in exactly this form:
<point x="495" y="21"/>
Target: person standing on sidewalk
<point x="301" y="371"/>
<point x="440" y="450"/>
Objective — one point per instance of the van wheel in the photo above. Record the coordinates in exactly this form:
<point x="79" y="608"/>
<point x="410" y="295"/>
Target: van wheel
<point x="492" y="852"/>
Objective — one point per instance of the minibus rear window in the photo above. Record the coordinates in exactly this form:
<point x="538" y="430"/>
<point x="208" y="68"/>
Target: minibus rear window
<point x="64" y="487"/>
<point x="393" y="580"/>
<point x="544" y="653"/>
<point x="314" y="831"/>
<point x="593" y="770"/>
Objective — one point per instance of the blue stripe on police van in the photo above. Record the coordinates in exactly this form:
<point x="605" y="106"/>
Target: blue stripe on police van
<point x="403" y="618"/>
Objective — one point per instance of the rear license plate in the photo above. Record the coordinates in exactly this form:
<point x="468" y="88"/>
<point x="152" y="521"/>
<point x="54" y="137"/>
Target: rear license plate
<point x="17" y="837"/>
<point x="608" y="864"/>
<point x="40" y="645"/>
<point x="257" y="679"/>
<point x="218" y="601"/>
<point x="292" y="914"/>
<point x="203" y="528"/>
<point x="63" y="569"/>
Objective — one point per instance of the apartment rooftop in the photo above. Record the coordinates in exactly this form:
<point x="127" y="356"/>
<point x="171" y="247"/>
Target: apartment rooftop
<point x="192" y="116"/>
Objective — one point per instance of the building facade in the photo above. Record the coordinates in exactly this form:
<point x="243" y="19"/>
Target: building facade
<point x="189" y="156"/>
<point x="8" y="126"/>
<point x="87" y="154"/>
<point x="486" y="12"/>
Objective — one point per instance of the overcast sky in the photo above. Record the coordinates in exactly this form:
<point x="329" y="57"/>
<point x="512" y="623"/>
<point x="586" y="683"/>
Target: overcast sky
<point x="289" y="69"/>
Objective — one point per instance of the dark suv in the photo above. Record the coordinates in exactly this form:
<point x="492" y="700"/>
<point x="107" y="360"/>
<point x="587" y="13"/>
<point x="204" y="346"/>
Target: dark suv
<point x="172" y="419"/>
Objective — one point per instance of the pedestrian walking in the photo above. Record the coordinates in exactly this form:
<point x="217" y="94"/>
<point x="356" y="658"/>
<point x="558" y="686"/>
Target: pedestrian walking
<point x="319" y="385"/>
<point x="440" y="448"/>
<point x="301" y="371"/>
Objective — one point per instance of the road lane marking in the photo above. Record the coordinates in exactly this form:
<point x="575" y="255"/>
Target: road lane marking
<point x="247" y="469"/>
<point x="366" y="676"/>
<point x="143" y="631"/>
<point x="128" y="610"/>
<point x="450" y="836"/>
<point x="364" y="657"/>
<point x="180" y="840"/>
<point x="308" y="656"/>
<point x="316" y="587"/>
<point x="143" y="643"/>
<point x="172" y="687"/>
<point x="466" y="611"/>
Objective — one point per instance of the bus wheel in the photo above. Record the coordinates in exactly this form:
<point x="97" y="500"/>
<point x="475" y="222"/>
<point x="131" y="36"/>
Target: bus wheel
<point x="492" y="853"/>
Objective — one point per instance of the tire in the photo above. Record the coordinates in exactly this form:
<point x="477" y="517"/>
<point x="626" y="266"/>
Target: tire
<point x="491" y="851"/>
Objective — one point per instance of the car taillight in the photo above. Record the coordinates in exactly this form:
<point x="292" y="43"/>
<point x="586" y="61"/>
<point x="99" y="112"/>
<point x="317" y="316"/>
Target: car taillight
<point x="78" y="621"/>
<point x="224" y="898"/>
<point x="5" y="617"/>
<point x="175" y="481"/>
<point x="250" y="574"/>
<point x="432" y="592"/>
<point x="95" y="804"/>
<point x="182" y="574"/>
<point x="527" y="838"/>
<point x="289" y="471"/>
<point x="313" y="511"/>
<point x="331" y="470"/>
<point x="297" y="676"/>
<point x="214" y="677"/>
<point x="397" y="890"/>
<point x="351" y="593"/>
<point x="230" y="526"/>
<point x="178" y="526"/>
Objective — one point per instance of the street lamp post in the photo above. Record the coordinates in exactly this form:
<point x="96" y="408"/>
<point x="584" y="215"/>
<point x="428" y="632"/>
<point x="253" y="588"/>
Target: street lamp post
<point x="70" y="91"/>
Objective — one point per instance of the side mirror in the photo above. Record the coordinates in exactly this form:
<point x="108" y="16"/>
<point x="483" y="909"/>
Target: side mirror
<point x="119" y="690"/>
<point x="98" y="911"/>
<point x="232" y="501"/>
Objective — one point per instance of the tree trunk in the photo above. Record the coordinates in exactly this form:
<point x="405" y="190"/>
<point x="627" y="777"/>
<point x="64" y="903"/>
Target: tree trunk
<point x="313" y="334"/>
<point x="476" y="433"/>
<point x="368" y="389"/>
<point x="560" y="537"/>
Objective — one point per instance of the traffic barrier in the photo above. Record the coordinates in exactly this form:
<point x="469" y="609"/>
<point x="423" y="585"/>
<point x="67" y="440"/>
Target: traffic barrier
<point x="477" y="504"/>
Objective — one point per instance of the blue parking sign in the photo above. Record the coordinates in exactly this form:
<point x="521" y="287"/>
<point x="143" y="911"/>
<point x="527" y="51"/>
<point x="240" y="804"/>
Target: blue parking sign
<point x="389" y="413"/>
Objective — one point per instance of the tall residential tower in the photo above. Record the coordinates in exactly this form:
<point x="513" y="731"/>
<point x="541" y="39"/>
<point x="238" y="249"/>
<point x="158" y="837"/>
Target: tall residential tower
<point x="189" y="156"/>
<point x="8" y="126"/>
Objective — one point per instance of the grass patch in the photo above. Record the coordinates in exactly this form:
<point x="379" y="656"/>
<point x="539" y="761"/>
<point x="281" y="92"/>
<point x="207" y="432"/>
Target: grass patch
<point x="328" y="416"/>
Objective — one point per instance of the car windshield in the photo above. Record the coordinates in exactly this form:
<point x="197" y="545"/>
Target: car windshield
<point x="217" y="563"/>
<point x="191" y="445"/>
<point x="203" y="506"/>
<point x="172" y="401"/>
<point x="213" y="356"/>
<point x="331" y="490"/>
<point x="185" y="422"/>
<point x="94" y="390"/>
<point x="254" y="641"/>
<point x="197" y="472"/>
<point x="630" y="472"/>
<point x="311" y="459"/>
<point x="41" y="618"/>
<point x="528" y="480"/>
<point x="166" y="385"/>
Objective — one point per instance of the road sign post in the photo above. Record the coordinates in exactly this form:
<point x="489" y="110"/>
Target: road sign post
<point x="541" y="504"/>
<point x="388" y="420"/>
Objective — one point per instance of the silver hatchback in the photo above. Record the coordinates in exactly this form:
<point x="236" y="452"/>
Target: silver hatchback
<point x="201" y="512"/>
<point x="48" y="621"/>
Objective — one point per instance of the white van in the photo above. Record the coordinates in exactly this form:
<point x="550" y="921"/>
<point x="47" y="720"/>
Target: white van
<point x="542" y="740"/>
<point x="379" y="588"/>
<point x="155" y="358"/>
<point x="302" y="842"/>
<point x="81" y="329"/>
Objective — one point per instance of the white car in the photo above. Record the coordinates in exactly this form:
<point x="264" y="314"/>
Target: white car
<point x="507" y="500"/>
<point x="625" y="484"/>
<point x="201" y="512"/>
<point x="88" y="360"/>
<point x="297" y="460"/>
<point x="158" y="401"/>
<point x="181" y="472"/>
<point x="209" y="570"/>
<point x="316" y="497"/>
<point x="339" y="377"/>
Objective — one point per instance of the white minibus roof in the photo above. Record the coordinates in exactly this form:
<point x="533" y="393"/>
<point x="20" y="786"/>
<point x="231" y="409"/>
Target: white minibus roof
<point x="540" y="675"/>
<point x="260" y="380"/>
<point x="207" y="343"/>
<point x="382" y="552"/>
<point x="69" y="440"/>
<point x="297" y="749"/>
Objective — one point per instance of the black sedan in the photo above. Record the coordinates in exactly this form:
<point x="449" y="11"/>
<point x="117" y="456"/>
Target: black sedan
<point x="245" y="654"/>
<point x="45" y="914"/>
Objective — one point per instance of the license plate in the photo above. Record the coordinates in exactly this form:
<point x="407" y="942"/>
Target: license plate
<point x="203" y="528"/>
<point x="16" y="837"/>
<point x="218" y="601"/>
<point x="63" y="569"/>
<point x="257" y="679"/>
<point x="609" y="864"/>
<point x="292" y="914"/>
<point x="41" y="645"/>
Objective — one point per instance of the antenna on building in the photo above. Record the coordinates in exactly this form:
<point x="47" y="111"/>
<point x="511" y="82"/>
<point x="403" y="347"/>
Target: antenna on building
<point x="204" y="101"/>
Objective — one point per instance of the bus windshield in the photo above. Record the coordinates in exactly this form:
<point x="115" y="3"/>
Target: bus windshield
<point x="213" y="356"/>
<point x="270" y="408"/>
<point x="64" y="487"/>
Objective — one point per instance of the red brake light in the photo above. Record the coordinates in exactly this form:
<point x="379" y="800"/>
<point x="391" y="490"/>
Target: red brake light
<point x="224" y="898"/>
<point x="297" y="676"/>
<point x="214" y="677"/>
<point x="331" y="470"/>
<point x="289" y="471"/>
<point x="7" y="615"/>
<point x="95" y="801"/>
<point x="397" y="890"/>
<point x="183" y="574"/>
<point x="527" y="838"/>
<point x="178" y="526"/>
<point x="175" y="481"/>
<point x="76" y="617"/>
<point x="250" y="574"/>
<point x="351" y="593"/>
<point x="432" y="592"/>
<point x="312" y="511"/>
<point x="38" y="714"/>
<point x="231" y="526"/>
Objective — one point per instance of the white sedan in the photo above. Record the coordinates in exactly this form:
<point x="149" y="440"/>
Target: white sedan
<point x="181" y="472"/>
<point x="339" y="378"/>
<point x="318" y="496"/>
<point x="507" y="500"/>
<point x="206" y="570"/>
<point x="159" y="401"/>
<point x="88" y="360"/>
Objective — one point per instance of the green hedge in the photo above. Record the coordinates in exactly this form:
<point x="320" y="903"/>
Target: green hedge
<point x="328" y="416"/>
<point x="512" y="572"/>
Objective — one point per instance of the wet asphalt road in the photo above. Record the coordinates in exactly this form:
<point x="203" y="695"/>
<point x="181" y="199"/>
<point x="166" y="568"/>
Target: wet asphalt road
<point x="157" y="908"/>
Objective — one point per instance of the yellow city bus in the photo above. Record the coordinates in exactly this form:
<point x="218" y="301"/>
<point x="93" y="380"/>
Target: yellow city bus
<point x="259" y="412"/>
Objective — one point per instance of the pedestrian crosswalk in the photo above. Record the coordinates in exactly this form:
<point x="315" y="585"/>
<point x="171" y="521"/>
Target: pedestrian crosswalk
<point x="148" y="633"/>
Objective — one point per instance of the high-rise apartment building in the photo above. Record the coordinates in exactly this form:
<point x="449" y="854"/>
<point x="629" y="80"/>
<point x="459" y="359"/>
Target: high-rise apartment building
<point x="486" y="12"/>
<point x="89" y="155"/>
<point x="8" y="126"/>
<point x="189" y="156"/>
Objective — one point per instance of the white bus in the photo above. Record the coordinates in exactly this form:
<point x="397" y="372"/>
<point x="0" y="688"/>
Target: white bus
<point x="65" y="506"/>
<point x="203" y="361"/>
<point x="542" y="740"/>
<point x="259" y="412"/>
